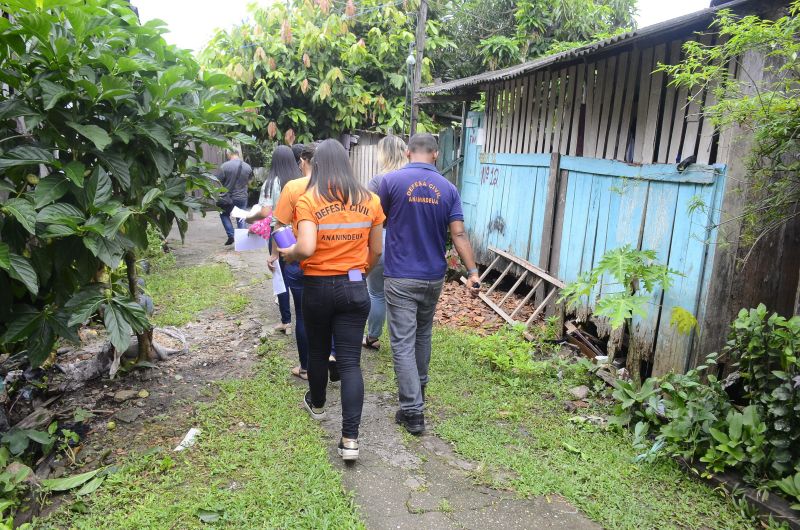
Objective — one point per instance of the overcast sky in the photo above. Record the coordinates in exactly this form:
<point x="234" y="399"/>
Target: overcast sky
<point x="192" y="22"/>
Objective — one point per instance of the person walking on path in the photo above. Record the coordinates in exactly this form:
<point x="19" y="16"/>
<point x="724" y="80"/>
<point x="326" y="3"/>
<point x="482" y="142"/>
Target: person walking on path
<point x="282" y="170"/>
<point x="283" y="215"/>
<point x="420" y="205"/>
<point x="391" y="156"/>
<point x="339" y="240"/>
<point x="234" y="175"/>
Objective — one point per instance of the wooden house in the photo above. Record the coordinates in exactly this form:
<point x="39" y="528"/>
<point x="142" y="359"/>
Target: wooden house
<point x="577" y="153"/>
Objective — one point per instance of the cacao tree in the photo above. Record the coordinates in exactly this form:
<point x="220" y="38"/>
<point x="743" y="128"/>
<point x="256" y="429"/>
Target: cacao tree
<point x="101" y="124"/>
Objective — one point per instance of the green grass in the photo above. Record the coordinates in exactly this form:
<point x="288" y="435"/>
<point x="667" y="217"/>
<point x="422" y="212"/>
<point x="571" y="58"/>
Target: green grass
<point x="180" y="294"/>
<point x="272" y="472"/>
<point x="517" y="424"/>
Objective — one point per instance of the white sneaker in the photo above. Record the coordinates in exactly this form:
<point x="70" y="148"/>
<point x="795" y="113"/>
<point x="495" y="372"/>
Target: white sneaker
<point x="348" y="450"/>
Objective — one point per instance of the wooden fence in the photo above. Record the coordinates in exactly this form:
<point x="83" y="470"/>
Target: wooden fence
<point x="564" y="212"/>
<point x="617" y="108"/>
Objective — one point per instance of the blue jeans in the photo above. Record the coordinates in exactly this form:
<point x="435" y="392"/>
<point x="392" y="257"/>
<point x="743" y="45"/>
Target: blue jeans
<point x="411" y="305"/>
<point x="226" y="218"/>
<point x="377" y="311"/>
<point x="283" y="298"/>
<point x="293" y="278"/>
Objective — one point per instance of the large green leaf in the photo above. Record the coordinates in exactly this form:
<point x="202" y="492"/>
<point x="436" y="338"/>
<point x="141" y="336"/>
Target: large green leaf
<point x="60" y="213"/>
<point x="157" y="133"/>
<point x="84" y="304"/>
<point x="50" y="189"/>
<point x="119" y="331"/>
<point x="150" y="196"/>
<point x="22" y="270"/>
<point x="97" y="135"/>
<point x="620" y="307"/>
<point x="40" y="343"/>
<point x="98" y="187"/>
<point x="134" y="313"/>
<point x="5" y="260"/>
<point x="14" y="108"/>
<point x="119" y="167"/>
<point x="27" y="155"/>
<point x="164" y="162"/>
<point x="74" y="172"/>
<point x="51" y="93"/>
<point x="68" y="483"/>
<point x="23" y="211"/>
<point x="106" y="250"/>
<point x="23" y="324"/>
<point x="112" y="226"/>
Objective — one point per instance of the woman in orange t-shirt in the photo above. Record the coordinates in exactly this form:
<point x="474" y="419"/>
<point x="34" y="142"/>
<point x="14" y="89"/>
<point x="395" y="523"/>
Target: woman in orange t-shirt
<point x="339" y="239"/>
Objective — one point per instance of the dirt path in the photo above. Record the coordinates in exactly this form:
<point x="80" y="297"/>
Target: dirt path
<point x="398" y="483"/>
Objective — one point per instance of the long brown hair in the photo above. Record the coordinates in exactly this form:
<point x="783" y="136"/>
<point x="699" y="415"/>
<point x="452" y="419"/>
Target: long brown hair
<point x="332" y="176"/>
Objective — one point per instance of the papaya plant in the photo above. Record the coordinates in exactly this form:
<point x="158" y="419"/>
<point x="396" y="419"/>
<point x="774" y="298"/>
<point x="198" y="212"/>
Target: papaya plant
<point x="101" y="126"/>
<point x="620" y="278"/>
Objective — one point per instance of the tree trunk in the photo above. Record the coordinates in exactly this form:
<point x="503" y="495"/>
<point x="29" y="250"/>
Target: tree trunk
<point x="145" y="338"/>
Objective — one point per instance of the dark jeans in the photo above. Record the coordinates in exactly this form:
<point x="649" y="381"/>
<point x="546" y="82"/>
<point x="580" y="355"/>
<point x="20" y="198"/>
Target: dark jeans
<point x="283" y="298"/>
<point x="293" y="278"/>
<point x="336" y="308"/>
<point x="226" y="218"/>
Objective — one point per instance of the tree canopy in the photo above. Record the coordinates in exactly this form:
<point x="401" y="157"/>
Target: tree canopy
<point x="321" y="67"/>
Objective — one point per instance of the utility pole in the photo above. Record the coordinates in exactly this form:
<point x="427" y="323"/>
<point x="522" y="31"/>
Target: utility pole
<point x="422" y="19"/>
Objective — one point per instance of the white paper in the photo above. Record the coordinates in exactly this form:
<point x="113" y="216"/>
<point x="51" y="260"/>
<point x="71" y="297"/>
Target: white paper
<point x="244" y="240"/>
<point x="278" y="285"/>
<point x="189" y="439"/>
<point x="481" y="139"/>
<point x="242" y="214"/>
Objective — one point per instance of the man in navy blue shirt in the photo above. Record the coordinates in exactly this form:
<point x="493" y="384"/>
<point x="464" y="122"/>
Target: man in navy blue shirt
<point x="420" y="206"/>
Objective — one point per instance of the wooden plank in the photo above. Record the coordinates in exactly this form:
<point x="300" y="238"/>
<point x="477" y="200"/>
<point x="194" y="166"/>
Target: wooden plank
<point x="558" y="108"/>
<point x="551" y="108"/>
<point x="511" y="110"/>
<point x="669" y="106"/>
<point x="564" y="115"/>
<point x="627" y="107"/>
<point x="543" y="97"/>
<point x="678" y="126"/>
<point x="550" y="211"/>
<point x="514" y="287"/>
<point x="492" y="123"/>
<point x="707" y="131"/>
<point x="615" y="115"/>
<point x="592" y="87"/>
<point x="558" y="225"/>
<point x="529" y="124"/>
<point x="605" y="111"/>
<point x="642" y="106"/>
<point x="569" y="106"/>
<point x="530" y="266"/>
<point x="597" y="106"/>
<point x="498" y="106"/>
<point x="533" y="124"/>
<point x="542" y="306"/>
<point x="580" y="93"/>
<point x="690" y="138"/>
<point x="519" y="115"/>
<point x="725" y="136"/>
<point x="653" y="115"/>
<point x="489" y="268"/>
<point x="499" y="278"/>
<point x="527" y="298"/>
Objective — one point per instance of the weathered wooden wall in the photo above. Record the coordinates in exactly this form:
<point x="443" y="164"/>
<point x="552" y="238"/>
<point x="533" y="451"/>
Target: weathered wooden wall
<point x="564" y="212"/>
<point x="364" y="156"/>
<point x="615" y="108"/>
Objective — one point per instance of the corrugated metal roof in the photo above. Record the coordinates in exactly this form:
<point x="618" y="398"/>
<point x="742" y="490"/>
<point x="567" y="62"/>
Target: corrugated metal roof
<point x="689" y="21"/>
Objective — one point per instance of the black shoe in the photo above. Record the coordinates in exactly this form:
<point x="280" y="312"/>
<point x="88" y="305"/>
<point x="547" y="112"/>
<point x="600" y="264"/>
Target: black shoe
<point x="348" y="450"/>
<point x="229" y="241"/>
<point x="414" y="422"/>
<point x="333" y="372"/>
<point x="317" y="413"/>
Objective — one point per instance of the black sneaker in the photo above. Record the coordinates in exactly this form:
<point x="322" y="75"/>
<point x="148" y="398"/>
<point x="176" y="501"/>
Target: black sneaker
<point x="229" y="241"/>
<point x="414" y="422"/>
<point x="317" y="413"/>
<point x="348" y="450"/>
<point x="333" y="372"/>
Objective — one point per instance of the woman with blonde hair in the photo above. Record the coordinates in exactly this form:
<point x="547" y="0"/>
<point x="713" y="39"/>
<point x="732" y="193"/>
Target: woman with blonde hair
<point x="392" y="156"/>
